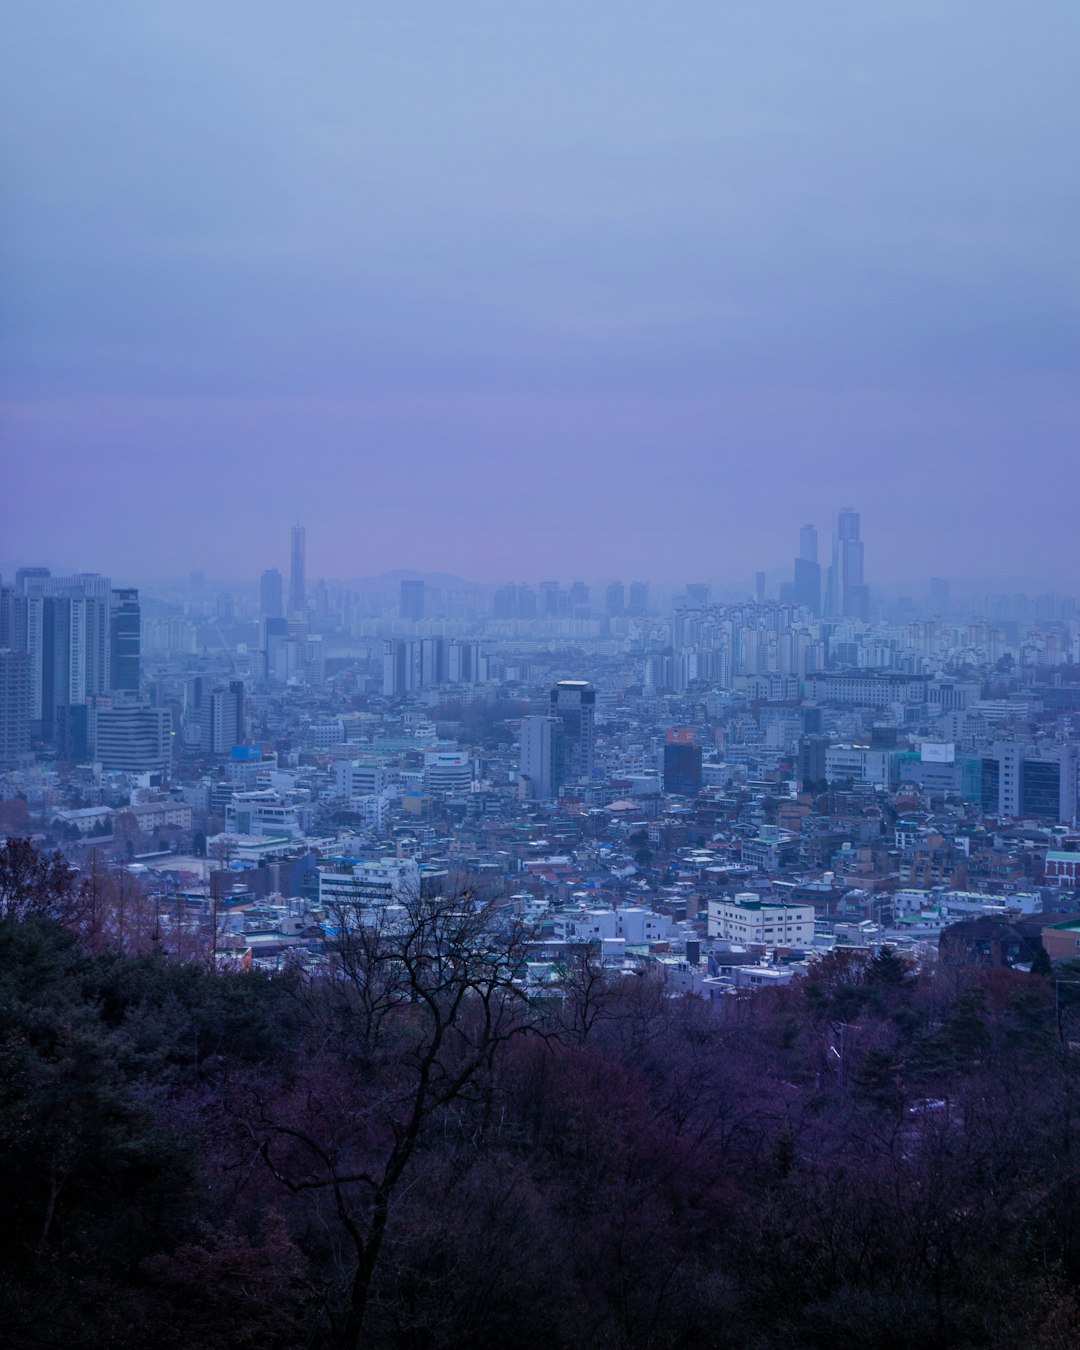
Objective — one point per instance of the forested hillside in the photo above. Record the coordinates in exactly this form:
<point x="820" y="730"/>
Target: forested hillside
<point x="411" y="1154"/>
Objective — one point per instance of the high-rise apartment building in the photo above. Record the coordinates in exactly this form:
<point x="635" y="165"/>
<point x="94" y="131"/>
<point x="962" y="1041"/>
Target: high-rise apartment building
<point x="574" y="703"/>
<point x="297" y="584"/>
<point x="271" y="594"/>
<point x="14" y="704"/>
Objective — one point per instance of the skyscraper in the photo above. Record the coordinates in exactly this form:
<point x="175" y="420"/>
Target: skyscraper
<point x="847" y="596"/>
<point x="271" y="594"/>
<point x="297" y="587"/>
<point x="574" y="703"/>
<point x="124" y="640"/>
<point x="65" y="627"/>
<point x="807" y="588"/>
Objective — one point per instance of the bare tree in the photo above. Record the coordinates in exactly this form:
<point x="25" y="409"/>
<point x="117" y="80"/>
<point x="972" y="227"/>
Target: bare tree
<point x="35" y="884"/>
<point x="420" y="998"/>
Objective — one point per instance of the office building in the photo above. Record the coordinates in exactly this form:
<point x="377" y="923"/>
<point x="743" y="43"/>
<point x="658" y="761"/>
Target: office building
<point x="125" y="635"/>
<point x="297" y="583"/>
<point x="1018" y="781"/>
<point x="363" y="884"/>
<point x="682" y="762"/>
<point x="271" y="594"/>
<point x="846" y="594"/>
<point x="128" y="735"/>
<point x="574" y="703"/>
<point x="65" y="625"/>
<point x="806" y="588"/>
<point x="448" y="772"/>
<point x="543" y="758"/>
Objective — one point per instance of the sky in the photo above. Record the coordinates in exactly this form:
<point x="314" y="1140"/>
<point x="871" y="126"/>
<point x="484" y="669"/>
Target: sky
<point x="530" y="289"/>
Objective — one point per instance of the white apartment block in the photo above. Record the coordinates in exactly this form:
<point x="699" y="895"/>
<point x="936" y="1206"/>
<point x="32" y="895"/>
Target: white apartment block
<point x="749" y="920"/>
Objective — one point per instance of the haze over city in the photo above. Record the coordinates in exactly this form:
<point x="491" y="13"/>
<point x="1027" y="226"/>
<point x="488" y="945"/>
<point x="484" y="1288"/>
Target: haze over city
<point x="529" y="290"/>
<point x="540" y="675"/>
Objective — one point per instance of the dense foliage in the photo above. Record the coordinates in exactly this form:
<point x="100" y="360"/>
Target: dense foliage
<point x="412" y="1155"/>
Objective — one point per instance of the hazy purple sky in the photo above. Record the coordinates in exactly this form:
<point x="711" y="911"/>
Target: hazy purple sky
<point x="521" y="289"/>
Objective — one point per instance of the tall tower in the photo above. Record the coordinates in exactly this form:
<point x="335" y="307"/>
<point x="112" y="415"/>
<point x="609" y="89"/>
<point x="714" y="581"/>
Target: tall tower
<point x="124" y="640"/>
<point x="297" y="588"/>
<point x="847" y="595"/>
<point x="574" y="703"/>
<point x="807" y="588"/>
<point x="67" y="636"/>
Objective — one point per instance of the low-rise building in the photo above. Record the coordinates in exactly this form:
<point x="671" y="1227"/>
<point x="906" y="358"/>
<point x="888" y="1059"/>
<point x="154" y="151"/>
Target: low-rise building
<point x="747" y="919"/>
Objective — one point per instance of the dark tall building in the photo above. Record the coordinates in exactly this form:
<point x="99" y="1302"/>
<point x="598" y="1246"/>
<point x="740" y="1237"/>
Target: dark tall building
<point x="806" y="590"/>
<point x="297" y="583"/>
<point x="638" y="603"/>
<point x="221" y="717"/>
<point x="810" y="769"/>
<point x="846" y="594"/>
<point x="574" y="703"/>
<point x="682" y="763"/>
<point x="271" y="594"/>
<point x="124" y="640"/>
<point x="615" y="598"/>
<point x="412" y="600"/>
